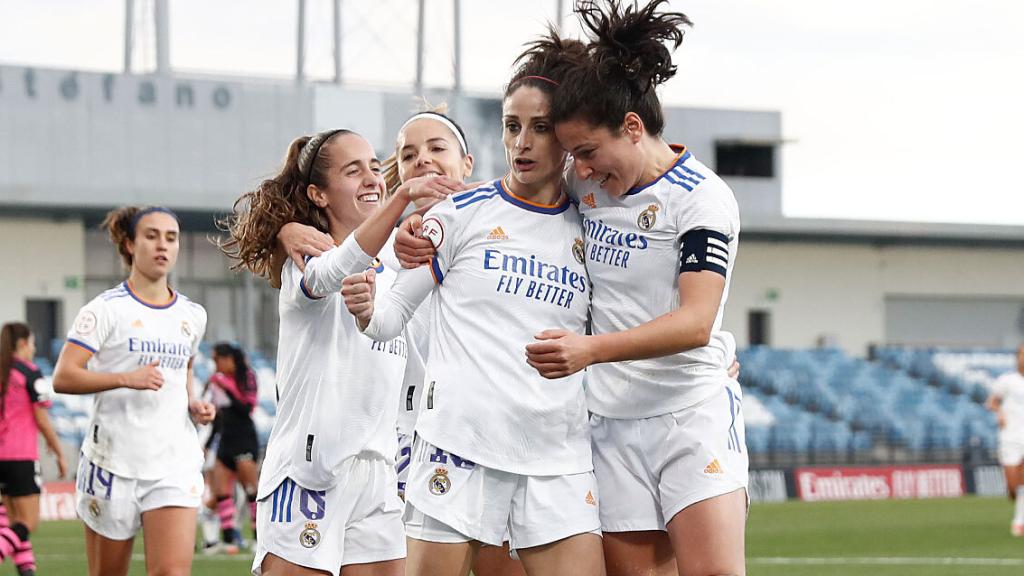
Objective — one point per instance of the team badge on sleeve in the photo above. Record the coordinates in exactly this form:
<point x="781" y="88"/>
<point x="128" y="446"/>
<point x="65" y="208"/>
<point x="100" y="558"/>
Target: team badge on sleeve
<point x="85" y="323"/>
<point x="310" y="536"/>
<point x="647" y="218"/>
<point x="433" y="231"/>
<point x="440" y="484"/>
<point x="577" y="250"/>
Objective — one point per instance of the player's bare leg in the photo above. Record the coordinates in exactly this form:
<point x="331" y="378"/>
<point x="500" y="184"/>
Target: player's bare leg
<point x="1013" y="476"/>
<point x="277" y="566"/>
<point x="388" y="568"/>
<point x="708" y="537"/>
<point x="170" y="537"/>
<point x="578" y="555"/>
<point x="643" y="553"/>
<point x="107" y="557"/>
<point x="496" y="561"/>
<point x="440" y="559"/>
<point x="23" y="509"/>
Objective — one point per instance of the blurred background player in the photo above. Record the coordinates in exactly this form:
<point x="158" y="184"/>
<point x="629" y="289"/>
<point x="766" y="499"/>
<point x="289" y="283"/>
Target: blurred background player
<point x="22" y="417"/>
<point x="233" y="391"/>
<point x="133" y="348"/>
<point x="1007" y="401"/>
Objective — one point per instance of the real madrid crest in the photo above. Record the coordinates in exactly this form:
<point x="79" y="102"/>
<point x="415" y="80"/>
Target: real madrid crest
<point x="648" y="217"/>
<point x="440" y="484"/>
<point x="94" y="508"/>
<point x="186" y="330"/>
<point x="577" y="250"/>
<point x="310" y="536"/>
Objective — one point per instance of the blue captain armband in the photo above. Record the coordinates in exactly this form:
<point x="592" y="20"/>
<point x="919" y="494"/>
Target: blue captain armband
<point x="704" y="249"/>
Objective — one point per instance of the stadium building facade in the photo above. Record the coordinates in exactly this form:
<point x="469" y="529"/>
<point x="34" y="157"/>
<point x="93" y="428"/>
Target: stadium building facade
<point x="74" y="144"/>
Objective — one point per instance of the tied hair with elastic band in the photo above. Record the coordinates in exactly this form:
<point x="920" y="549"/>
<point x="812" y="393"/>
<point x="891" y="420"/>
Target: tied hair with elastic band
<point x="437" y="116"/>
<point x="151" y="210"/>
<point x="311" y="151"/>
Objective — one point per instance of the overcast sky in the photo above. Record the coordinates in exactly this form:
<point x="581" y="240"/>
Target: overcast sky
<point x="892" y="109"/>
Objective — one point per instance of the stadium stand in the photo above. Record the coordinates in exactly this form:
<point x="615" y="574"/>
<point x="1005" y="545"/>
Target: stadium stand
<point x="801" y="406"/>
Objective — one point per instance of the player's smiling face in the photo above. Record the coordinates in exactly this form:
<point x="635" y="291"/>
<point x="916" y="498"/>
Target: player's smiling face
<point x="531" y="150"/>
<point x="611" y="159"/>
<point x="155" y="246"/>
<point x="428" y="147"/>
<point x="355" y="186"/>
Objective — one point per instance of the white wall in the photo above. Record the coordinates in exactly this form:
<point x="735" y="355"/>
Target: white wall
<point x="42" y="258"/>
<point x="839" y="291"/>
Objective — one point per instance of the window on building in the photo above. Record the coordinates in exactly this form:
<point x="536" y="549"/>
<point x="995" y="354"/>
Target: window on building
<point x="745" y="159"/>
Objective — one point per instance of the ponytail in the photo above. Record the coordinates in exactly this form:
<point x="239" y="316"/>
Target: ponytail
<point x="258" y="215"/>
<point x="10" y="334"/>
<point x="630" y="54"/>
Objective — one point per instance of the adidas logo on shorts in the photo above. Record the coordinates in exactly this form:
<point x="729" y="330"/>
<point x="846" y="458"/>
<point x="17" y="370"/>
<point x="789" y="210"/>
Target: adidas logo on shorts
<point x="714" y="468"/>
<point x="590" y="498"/>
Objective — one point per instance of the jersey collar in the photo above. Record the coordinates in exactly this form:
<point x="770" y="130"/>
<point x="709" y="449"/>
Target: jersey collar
<point x="558" y="208"/>
<point x="682" y="156"/>
<point x="131" y="292"/>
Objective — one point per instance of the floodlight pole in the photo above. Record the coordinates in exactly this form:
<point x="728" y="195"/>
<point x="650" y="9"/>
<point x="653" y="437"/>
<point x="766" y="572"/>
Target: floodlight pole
<point x="337" y="41"/>
<point x="457" y="64"/>
<point x="421" y="17"/>
<point x="129" y="33"/>
<point x="560" y="15"/>
<point x="300" y="60"/>
<point x="163" y="41"/>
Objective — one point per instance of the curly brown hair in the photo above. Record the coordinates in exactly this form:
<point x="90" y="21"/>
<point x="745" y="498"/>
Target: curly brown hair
<point x="259" y="214"/>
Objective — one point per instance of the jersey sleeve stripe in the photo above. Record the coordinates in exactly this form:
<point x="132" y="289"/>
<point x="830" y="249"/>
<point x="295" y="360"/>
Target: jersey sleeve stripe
<point x="474" y="199"/>
<point x="81" y="344"/>
<point x="671" y="177"/>
<point x="435" y="270"/>
<point x="306" y="292"/>
<point x="471" y="193"/>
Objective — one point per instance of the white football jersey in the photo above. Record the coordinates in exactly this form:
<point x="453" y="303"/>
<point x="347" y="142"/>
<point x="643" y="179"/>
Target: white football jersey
<point x="418" y="339"/>
<point x="336" y="388"/>
<point x="143" y="434"/>
<point x="505" y="270"/>
<point x="1009" y="388"/>
<point x="636" y="247"/>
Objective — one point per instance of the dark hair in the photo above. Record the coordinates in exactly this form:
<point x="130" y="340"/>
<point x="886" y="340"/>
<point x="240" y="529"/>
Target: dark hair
<point x="628" y="58"/>
<point x="225" y="349"/>
<point x="545" y="62"/>
<point x="120" y="224"/>
<point x="258" y="215"/>
<point x="9" y="336"/>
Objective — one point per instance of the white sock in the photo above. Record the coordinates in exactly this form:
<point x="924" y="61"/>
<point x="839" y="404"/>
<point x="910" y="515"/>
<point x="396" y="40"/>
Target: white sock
<point x="1018" y="507"/>
<point x="210" y="525"/>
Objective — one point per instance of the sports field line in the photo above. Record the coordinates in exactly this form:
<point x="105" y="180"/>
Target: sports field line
<point x="888" y="561"/>
<point x="142" y="557"/>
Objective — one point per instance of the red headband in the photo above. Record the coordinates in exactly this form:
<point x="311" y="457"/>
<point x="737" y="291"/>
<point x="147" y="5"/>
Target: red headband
<point x="549" y="80"/>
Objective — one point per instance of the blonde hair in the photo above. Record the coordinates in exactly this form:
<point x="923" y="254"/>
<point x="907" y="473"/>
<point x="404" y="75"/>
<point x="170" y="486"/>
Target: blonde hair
<point x="390" y="166"/>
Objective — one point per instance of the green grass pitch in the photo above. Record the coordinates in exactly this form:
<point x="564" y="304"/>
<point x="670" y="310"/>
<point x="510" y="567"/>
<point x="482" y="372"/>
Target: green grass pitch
<point x="966" y="536"/>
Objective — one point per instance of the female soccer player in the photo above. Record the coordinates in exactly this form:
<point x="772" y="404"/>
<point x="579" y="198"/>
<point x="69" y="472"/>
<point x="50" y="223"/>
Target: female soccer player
<point x="1007" y="401"/>
<point x="429" y="144"/>
<point x="132" y="346"/>
<point x="326" y="500"/>
<point x="661" y="237"/>
<point x="234" y="393"/>
<point x="22" y="416"/>
<point x="498" y="448"/>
